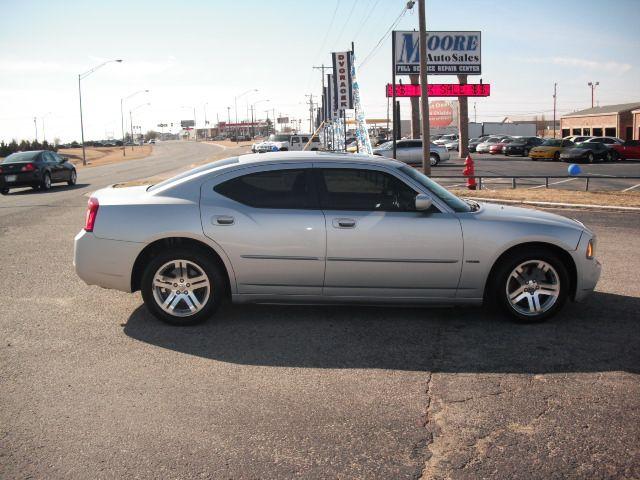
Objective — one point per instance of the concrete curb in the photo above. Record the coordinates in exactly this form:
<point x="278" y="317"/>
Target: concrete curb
<point x="557" y="204"/>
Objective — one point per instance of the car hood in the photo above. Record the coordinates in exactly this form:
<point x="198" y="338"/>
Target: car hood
<point x="507" y="213"/>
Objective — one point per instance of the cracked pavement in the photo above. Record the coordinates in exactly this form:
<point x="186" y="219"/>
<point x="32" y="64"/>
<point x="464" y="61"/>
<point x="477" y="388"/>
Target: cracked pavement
<point x="93" y="387"/>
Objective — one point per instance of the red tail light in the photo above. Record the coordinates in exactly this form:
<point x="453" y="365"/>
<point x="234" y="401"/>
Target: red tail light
<point x="92" y="213"/>
<point x="29" y="167"/>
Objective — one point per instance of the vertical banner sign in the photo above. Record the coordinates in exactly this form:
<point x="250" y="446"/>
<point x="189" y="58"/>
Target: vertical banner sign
<point x="362" y="131"/>
<point x="342" y="79"/>
<point x="331" y="97"/>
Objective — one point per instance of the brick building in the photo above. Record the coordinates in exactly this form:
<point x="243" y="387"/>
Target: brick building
<point x="636" y="124"/>
<point x="607" y="121"/>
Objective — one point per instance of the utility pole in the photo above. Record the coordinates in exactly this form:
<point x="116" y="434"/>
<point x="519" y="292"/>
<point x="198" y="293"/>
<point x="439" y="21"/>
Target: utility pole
<point x="593" y="86"/>
<point x="475" y="113"/>
<point x="555" y="86"/>
<point x="424" y="94"/>
<point x="310" y="102"/>
<point x="463" y="122"/>
<point x="35" y="123"/>
<point x="228" y="119"/>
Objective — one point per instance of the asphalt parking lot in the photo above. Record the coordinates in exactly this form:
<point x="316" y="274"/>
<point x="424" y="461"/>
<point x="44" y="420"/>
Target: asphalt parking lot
<point x="94" y="387"/>
<point x="500" y="165"/>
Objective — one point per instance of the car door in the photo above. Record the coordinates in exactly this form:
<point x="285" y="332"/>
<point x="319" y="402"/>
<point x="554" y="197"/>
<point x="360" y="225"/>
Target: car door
<point x="56" y="169"/>
<point x="378" y="245"/>
<point x="266" y="220"/>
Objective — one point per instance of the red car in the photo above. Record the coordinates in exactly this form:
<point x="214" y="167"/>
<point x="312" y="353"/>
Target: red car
<point x="499" y="147"/>
<point x="627" y="150"/>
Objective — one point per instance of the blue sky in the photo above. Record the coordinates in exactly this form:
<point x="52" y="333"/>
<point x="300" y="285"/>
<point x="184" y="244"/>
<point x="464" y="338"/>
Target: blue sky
<point x="192" y="53"/>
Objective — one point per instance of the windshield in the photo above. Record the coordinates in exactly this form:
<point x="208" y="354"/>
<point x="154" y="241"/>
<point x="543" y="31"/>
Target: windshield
<point x="194" y="171"/>
<point x="552" y="143"/>
<point x="449" y="137"/>
<point x="278" y="138"/>
<point x="21" y="157"/>
<point x="493" y="140"/>
<point x="456" y="204"/>
<point x="385" y="146"/>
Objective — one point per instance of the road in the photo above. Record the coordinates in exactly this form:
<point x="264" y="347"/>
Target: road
<point x="93" y="387"/>
<point x="486" y="164"/>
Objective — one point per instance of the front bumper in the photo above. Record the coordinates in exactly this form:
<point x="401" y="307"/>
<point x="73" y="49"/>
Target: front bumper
<point x="587" y="270"/>
<point x="103" y="262"/>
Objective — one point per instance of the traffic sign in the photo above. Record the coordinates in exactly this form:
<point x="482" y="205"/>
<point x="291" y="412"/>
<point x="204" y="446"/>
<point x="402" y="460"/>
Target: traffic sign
<point x="442" y="90"/>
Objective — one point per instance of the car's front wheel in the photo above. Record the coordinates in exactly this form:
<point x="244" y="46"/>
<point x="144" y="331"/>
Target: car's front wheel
<point x="73" y="178"/>
<point x="182" y="286"/>
<point x="46" y="182"/>
<point x="434" y="159"/>
<point x="4" y="191"/>
<point x="531" y="285"/>
<point x="556" y="157"/>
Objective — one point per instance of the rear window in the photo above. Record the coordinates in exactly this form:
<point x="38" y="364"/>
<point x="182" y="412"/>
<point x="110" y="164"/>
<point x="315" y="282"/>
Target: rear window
<point x="271" y="189"/>
<point x="22" y="157"/>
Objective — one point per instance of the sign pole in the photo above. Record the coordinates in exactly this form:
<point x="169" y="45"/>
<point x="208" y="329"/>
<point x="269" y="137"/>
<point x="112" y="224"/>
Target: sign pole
<point x="424" y="94"/>
<point x="463" y="122"/>
<point x="393" y="89"/>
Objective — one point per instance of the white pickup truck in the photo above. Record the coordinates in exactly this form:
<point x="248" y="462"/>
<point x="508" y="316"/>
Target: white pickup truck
<point x="281" y="142"/>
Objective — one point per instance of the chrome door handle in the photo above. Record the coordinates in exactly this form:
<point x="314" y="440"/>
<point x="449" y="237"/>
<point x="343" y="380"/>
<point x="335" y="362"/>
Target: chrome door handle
<point x="344" y="223"/>
<point x="224" y="220"/>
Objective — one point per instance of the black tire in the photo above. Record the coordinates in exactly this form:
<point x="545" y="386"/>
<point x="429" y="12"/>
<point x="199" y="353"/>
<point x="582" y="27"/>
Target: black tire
<point x="556" y="157"/>
<point x="434" y="159"/>
<point x="615" y="156"/>
<point x="204" y="261"/>
<point x="590" y="158"/>
<point x="525" y="152"/>
<point x="46" y="182"/>
<point x="497" y="285"/>
<point x="73" y="178"/>
<point x="608" y="157"/>
<point x="4" y="191"/>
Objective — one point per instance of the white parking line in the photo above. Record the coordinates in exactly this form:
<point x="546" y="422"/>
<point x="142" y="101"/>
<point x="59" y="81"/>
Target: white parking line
<point x="552" y="183"/>
<point x="631" y="188"/>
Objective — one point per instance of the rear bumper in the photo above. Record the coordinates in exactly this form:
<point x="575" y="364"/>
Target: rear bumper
<point x="106" y="263"/>
<point x="22" y="179"/>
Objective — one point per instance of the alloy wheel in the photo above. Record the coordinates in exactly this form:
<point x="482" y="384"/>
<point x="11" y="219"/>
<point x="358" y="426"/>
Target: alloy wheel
<point x="181" y="288"/>
<point x="533" y="287"/>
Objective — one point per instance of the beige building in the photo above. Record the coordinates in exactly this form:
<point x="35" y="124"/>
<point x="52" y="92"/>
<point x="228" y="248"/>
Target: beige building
<point x="607" y="121"/>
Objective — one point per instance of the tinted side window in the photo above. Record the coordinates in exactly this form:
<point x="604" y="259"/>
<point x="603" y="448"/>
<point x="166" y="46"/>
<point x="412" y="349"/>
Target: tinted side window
<point x="48" y="157"/>
<point x="270" y="189"/>
<point x="355" y="189"/>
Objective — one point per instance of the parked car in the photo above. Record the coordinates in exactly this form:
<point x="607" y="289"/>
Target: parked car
<point x="326" y="228"/>
<point x="587" y="152"/>
<point x="605" y="140"/>
<point x="474" y="142"/>
<point x="218" y="138"/>
<point x="486" y="145"/>
<point x="284" y="142"/>
<point x="577" y="138"/>
<point x="37" y="169"/>
<point x="522" y="146"/>
<point x="550" y="149"/>
<point x="629" y="150"/>
<point x="410" y="151"/>
<point x="496" y="148"/>
<point x="444" y="139"/>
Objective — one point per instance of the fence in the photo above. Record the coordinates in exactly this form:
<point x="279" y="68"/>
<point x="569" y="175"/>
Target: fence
<point x="514" y="178"/>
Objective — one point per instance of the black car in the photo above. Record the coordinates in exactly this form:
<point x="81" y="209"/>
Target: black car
<point x="522" y="146"/>
<point x="587" y="152"/>
<point x="474" y="142"/>
<point x="36" y="169"/>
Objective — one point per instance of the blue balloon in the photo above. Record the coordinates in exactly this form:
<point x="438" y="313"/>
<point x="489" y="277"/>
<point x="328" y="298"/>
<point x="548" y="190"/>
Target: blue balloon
<point x="574" y="169"/>
<point x="274" y="148"/>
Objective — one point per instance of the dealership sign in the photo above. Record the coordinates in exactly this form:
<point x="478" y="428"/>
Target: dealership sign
<point x="187" y="123"/>
<point x="342" y="81"/>
<point x="443" y="113"/>
<point x="442" y="90"/>
<point x="448" y="53"/>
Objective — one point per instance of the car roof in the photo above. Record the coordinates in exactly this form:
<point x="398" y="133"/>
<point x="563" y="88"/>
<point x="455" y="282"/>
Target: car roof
<point x="338" y="157"/>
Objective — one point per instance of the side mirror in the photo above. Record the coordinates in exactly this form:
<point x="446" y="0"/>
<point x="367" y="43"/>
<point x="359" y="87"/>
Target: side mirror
<point x="63" y="159"/>
<point x="423" y="202"/>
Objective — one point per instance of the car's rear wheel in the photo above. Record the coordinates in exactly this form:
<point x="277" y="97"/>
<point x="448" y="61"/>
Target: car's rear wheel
<point x="590" y="157"/>
<point x="73" y="178"/>
<point x="531" y="285"/>
<point x="182" y="287"/>
<point x="556" y="157"/>
<point x="4" y="191"/>
<point x="434" y="159"/>
<point x="615" y="156"/>
<point x="46" y="182"/>
<point x="608" y="157"/>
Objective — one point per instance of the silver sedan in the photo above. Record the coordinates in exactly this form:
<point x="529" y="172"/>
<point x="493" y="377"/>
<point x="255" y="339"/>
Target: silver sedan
<point x="308" y="227"/>
<point x="410" y="151"/>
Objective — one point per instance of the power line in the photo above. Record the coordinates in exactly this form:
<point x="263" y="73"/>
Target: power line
<point x="366" y="19"/>
<point x="344" y="25"/>
<point x="384" y="37"/>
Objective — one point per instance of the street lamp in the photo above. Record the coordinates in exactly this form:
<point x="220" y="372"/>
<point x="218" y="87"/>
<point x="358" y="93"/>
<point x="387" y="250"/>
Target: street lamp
<point x="253" y="109"/>
<point x="235" y="101"/>
<point x="593" y="86"/>
<point x="122" y="100"/>
<point x="82" y="76"/>
<point x="131" y="119"/>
